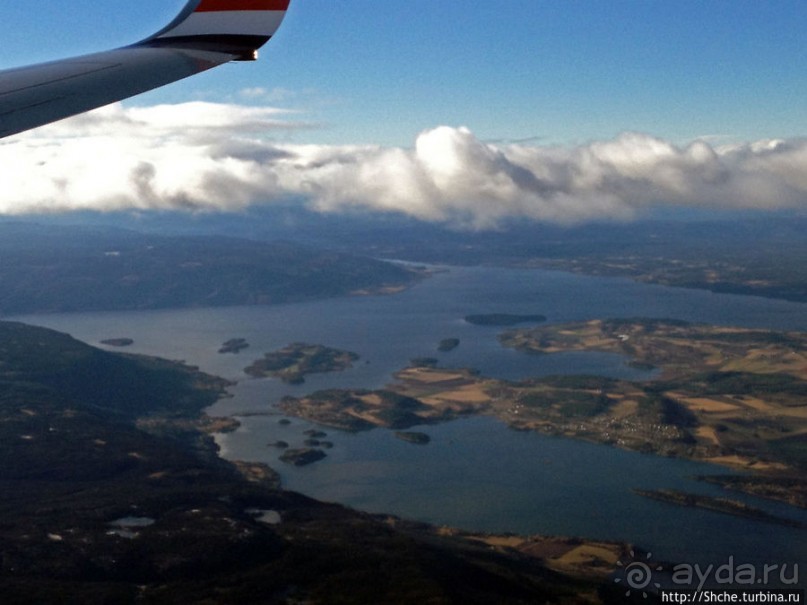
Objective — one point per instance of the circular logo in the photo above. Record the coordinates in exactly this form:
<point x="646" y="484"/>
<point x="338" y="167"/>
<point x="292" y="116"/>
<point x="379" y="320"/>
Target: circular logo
<point x="637" y="575"/>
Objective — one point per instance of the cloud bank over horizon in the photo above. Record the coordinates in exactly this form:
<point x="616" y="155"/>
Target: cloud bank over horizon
<point x="226" y="157"/>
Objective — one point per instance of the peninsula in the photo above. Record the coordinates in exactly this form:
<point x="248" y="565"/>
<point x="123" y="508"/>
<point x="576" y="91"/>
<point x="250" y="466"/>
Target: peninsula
<point x="720" y="505"/>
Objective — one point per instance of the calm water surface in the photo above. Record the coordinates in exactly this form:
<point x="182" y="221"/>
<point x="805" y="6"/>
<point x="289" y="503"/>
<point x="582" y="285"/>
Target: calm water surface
<point x="476" y="473"/>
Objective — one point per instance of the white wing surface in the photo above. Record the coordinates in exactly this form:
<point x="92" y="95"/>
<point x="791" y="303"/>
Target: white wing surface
<point x="205" y="34"/>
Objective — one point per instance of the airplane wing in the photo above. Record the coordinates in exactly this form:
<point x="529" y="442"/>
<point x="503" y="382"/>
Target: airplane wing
<point x="207" y="33"/>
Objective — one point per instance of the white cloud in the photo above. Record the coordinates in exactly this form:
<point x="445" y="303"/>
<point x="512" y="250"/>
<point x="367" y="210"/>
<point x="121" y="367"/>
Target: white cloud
<point x="208" y="156"/>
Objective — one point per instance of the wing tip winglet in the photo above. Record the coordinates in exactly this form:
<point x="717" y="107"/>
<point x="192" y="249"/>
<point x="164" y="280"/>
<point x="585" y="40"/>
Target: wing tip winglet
<point x="236" y="27"/>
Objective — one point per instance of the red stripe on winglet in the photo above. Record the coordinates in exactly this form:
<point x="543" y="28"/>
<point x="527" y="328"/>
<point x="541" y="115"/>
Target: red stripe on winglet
<point x="242" y="5"/>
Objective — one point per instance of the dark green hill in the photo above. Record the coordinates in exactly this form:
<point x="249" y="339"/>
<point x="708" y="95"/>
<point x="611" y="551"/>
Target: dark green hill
<point x="56" y="364"/>
<point x="49" y="269"/>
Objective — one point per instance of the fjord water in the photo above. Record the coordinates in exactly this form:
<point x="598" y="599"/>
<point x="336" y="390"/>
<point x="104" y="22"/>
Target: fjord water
<point x="476" y="473"/>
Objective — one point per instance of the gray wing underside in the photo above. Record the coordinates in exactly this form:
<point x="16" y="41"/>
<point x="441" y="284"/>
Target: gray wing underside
<point x="40" y="94"/>
<point x="205" y="34"/>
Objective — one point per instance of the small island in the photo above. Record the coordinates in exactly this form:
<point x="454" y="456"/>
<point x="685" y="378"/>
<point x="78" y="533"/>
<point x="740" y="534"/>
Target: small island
<point x="413" y="437"/>
<point x="302" y="456"/>
<point x="290" y="364"/>
<point x="118" y="342"/>
<point x="448" y="344"/>
<point x="234" y="345"/>
<point x="503" y="319"/>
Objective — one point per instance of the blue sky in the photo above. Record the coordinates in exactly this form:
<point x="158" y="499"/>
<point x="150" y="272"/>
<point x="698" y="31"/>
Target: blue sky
<point x="554" y="71"/>
<point x="450" y="111"/>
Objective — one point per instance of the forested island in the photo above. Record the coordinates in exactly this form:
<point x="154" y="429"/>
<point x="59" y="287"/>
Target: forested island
<point x="118" y="342"/>
<point x="234" y="345"/>
<point x="302" y="456"/>
<point x="292" y="363"/>
<point x="414" y="437"/>
<point x="448" y="344"/>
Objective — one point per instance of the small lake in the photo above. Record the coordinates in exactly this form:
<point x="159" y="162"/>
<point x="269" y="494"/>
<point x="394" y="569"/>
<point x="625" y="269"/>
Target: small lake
<point x="476" y="473"/>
